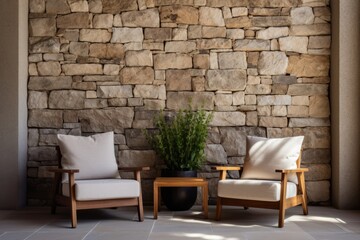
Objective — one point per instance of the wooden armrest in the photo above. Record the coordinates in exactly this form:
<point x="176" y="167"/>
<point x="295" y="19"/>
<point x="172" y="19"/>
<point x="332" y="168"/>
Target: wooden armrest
<point x="60" y="170"/>
<point x="131" y="169"/>
<point x="225" y="168"/>
<point x="297" y="170"/>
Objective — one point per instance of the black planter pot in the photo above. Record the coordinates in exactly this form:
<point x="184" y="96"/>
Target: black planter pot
<point x="178" y="198"/>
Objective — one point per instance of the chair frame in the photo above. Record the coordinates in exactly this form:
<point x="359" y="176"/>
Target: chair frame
<point x="59" y="199"/>
<point x="283" y="204"/>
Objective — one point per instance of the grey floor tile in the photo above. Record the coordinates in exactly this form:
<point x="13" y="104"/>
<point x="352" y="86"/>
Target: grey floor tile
<point x="18" y="235"/>
<point x="335" y="236"/>
<point x="126" y="235"/>
<point x="57" y="236"/>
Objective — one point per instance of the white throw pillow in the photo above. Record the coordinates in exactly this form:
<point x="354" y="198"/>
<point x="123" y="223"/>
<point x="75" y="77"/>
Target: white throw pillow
<point x="265" y="155"/>
<point x="93" y="155"/>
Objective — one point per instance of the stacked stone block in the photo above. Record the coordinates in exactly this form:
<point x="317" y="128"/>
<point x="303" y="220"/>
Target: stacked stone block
<point x="262" y="68"/>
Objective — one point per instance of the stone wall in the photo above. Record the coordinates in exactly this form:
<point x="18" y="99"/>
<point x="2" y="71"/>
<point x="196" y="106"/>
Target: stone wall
<point x="261" y="66"/>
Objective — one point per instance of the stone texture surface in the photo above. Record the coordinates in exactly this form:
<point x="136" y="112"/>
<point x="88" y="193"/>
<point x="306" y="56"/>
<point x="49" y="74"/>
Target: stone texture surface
<point x="262" y="67"/>
<point x="272" y="63"/>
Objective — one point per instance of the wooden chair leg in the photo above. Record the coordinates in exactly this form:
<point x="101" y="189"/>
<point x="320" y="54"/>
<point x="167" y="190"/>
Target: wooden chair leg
<point x="218" y="209"/>
<point x="282" y="199"/>
<point x="140" y="209"/>
<point x="73" y="217"/>
<point x="72" y="200"/>
<point x="303" y="194"/>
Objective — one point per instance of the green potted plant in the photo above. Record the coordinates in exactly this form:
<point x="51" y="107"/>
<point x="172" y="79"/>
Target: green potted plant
<point x="180" y="141"/>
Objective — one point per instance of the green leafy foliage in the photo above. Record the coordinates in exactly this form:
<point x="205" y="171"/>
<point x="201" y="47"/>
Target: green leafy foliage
<point x="181" y="141"/>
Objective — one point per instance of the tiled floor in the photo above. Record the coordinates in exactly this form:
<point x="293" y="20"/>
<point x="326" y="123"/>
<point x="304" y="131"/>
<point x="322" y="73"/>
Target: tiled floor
<point x="322" y="223"/>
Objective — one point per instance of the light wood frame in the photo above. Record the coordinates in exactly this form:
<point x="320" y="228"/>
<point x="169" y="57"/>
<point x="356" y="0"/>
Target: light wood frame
<point x="60" y="199"/>
<point x="281" y="205"/>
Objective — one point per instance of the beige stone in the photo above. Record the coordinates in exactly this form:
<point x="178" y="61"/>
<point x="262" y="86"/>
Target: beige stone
<point x="271" y="21"/>
<point x="239" y="11"/>
<point x="159" y="46"/>
<point x="216" y="43"/>
<point x="152" y="104"/>
<point x="238" y="98"/>
<point x="294" y="44"/>
<point x="37" y="6"/>
<point x="143" y="18"/>
<point x="265" y="11"/>
<point x="66" y="99"/>
<point x="179" y="34"/>
<point x="223" y="119"/>
<point x="300" y="100"/>
<point x="308" y="66"/>
<point x="232" y="60"/>
<point x="44" y="45"/>
<point x="315" y="137"/>
<point x="319" y="106"/>
<point x="198" y="100"/>
<point x="309" y="122"/>
<point x="108" y="51"/>
<point x="78" y="5"/>
<point x="95" y="103"/>
<point x="117" y="102"/>
<point x="137" y="75"/>
<point x="139" y="58"/>
<point x="82" y="69"/>
<point x="130" y="158"/>
<point x="198" y="84"/>
<point x="274" y="100"/>
<point x="37" y="100"/>
<point x="83" y="86"/>
<point x="223" y="99"/>
<point x="79" y="48"/>
<point x="302" y="15"/>
<point x="45" y="118"/>
<point x="235" y="33"/>
<point x="264" y="110"/>
<point x="103" y="120"/>
<point x="150" y="91"/>
<point x="178" y="80"/>
<point x="272" y="63"/>
<point x="298" y="111"/>
<point x="180" y="46"/>
<point x="252" y="45"/>
<point x="319" y="42"/>
<point x="227" y="3"/>
<point x="211" y="17"/>
<point x="111" y="69"/>
<point x="194" y="32"/>
<point x="49" y="68"/>
<point x="57" y="6"/>
<point x="49" y="83"/>
<point x="103" y="21"/>
<point x="73" y="20"/>
<point x="233" y="80"/>
<point x="201" y="61"/>
<point x="273" y="3"/>
<point x="273" y="121"/>
<point x="213" y="32"/>
<point x="172" y="60"/>
<point x="125" y="35"/>
<point x="258" y="89"/>
<point x="95" y="6"/>
<point x="158" y="34"/>
<point x="42" y="27"/>
<point x="279" y="111"/>
<point x="117" y="21"/>
<point x="116" y="6"/>
<point x="124" y="91"/>
<point x="32" y="69"/>
<point x="214" y="64"/>
<point x="94" y="35"/>
<point x="272" y="32"/>
<point x="307" y="30"/>
<point x="179" y="14"/>
<point x="238" y="22"/>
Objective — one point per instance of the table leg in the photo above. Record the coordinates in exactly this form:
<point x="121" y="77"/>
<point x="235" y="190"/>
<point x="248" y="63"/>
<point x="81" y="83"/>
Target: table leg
<point x="156" y="197"/>
<point x="205" y="200"/>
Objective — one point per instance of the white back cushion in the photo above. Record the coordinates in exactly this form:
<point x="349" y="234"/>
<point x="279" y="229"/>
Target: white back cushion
<point x="94" y="155"/>
<point x="265" y="155"/>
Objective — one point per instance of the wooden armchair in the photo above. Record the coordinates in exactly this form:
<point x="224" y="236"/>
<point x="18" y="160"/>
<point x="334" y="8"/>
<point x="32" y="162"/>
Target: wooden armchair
<point x="271" y="178"/>
<point x="88" y="177"/>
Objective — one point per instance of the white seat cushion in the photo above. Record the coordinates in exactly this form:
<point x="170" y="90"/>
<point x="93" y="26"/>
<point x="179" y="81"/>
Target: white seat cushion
<point x="94" y="156"/>
<point x="250" y="189"/>
<point x="265" y="155"/>
<point x="101" y="189"/>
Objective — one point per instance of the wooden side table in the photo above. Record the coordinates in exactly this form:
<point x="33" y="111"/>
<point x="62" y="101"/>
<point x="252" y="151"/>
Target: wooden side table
<point x="180" y="182"/>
